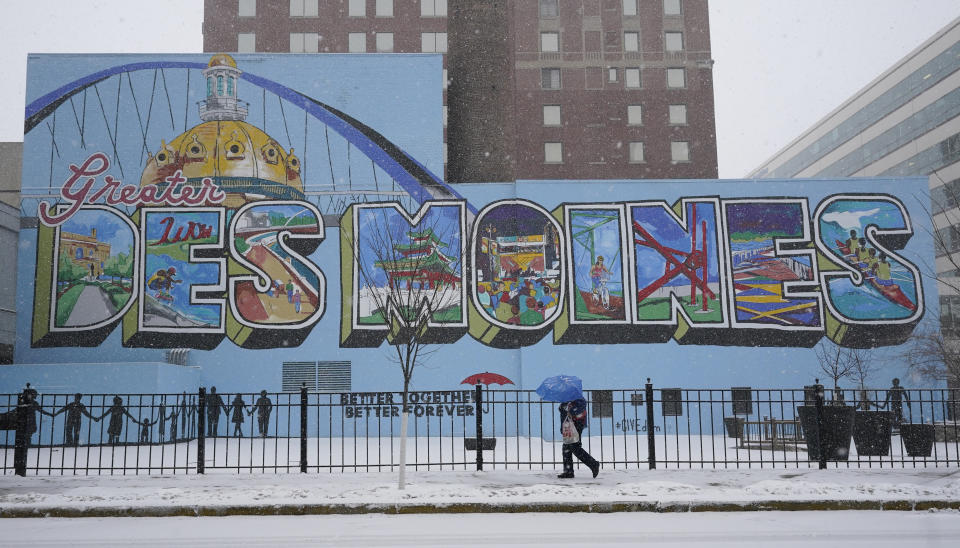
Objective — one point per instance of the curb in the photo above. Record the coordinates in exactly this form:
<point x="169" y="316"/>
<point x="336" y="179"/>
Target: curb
<point x="474" y="508"/>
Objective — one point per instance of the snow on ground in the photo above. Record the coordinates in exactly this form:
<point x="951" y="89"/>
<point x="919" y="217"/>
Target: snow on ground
<point x="232" y="455"/>
<point x="849" y="529"/>
<point x="498" y="486"/>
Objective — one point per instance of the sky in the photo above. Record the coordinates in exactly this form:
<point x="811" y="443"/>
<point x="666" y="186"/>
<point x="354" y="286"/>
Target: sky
<point x="780" y="65"/>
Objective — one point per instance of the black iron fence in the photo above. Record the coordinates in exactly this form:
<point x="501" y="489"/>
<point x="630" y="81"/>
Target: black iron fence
<point x="646" y="427"/>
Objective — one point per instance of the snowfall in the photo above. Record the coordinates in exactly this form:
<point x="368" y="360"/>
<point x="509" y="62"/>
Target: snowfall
<point x="506" y="508"/>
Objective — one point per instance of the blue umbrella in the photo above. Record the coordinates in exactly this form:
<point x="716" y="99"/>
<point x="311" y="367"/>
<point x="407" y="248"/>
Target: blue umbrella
<point x="561" y="388"/>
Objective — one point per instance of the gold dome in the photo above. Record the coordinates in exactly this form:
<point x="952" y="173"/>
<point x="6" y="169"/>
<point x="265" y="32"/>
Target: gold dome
<point x="221" y="60"/>
<point x="241" y="159"/>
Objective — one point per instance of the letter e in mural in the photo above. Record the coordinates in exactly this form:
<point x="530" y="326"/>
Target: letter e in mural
<point x="773" y="285"/>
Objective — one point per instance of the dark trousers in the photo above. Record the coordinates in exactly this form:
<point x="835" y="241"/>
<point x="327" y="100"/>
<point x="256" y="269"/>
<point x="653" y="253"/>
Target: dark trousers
<point x="571" y="449"/>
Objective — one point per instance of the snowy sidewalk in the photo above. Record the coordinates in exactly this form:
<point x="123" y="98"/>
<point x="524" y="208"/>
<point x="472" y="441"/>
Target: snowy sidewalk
<point x="489" y="491"/>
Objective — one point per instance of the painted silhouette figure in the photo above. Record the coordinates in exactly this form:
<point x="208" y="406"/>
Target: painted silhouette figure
<point x="146" y="431"/>
<point x="864" y="403"/>
<point x="214" y="406"/>
<point x="162" y="419"/>
<point x="263" y="406"/>
<point x="28" y="403"/>
<point x="116" y="412"/>
<point x="895" y="396"/>
<point x="186" y="414"/>
<point x="75" y="411"/>
<point x="238" y="408"/>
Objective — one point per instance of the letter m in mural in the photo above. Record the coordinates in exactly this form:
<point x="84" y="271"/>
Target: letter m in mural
<point x="404" y="273"/>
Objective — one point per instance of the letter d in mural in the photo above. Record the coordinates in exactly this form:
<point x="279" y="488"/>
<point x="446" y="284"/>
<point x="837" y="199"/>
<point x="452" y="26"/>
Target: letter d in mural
<point x="85" y="279"/>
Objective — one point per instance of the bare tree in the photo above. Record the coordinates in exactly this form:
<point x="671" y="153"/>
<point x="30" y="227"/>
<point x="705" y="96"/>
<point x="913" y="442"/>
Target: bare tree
<point x="933" y="356"/>
<point x="410" y="278"/>
<point x="862" y="365"/>
<point x="834" y="362"/>
<point x="944" y="210"/>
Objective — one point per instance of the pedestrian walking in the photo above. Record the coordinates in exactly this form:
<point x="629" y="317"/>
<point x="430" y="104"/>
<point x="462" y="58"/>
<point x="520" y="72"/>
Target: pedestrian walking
<point x="573" y="419"/>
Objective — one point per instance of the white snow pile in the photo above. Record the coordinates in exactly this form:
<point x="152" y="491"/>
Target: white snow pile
<point x="441" y="488"/>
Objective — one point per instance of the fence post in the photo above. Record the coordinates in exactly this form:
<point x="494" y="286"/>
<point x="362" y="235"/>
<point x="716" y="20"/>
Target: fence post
<point x="21" y="438"/>
<point x="478" y="397"/>
<point x="201" y="429"/>
<point x="303" y="428"/>
<point x="651" y="440"/>
<point x="818" y="398"/>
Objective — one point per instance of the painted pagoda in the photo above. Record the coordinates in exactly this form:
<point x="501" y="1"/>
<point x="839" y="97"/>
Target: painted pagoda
<point x="420" y="262"/>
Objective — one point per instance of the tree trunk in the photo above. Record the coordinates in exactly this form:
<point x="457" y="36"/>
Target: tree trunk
<point x="403" y="437"/>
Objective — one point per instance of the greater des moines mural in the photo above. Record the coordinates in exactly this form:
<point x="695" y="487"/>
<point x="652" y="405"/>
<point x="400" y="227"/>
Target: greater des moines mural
<point x="262" y="209"/>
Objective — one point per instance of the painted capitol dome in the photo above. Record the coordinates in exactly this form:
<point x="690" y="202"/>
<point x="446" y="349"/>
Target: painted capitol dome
<point x="241" y="159"/>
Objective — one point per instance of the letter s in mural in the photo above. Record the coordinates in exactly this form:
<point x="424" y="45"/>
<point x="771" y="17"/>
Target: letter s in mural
<point x="871" y="293"/>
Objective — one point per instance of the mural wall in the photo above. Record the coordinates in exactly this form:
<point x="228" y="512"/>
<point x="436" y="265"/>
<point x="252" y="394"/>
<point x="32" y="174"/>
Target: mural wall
<point x="276" y="217"/>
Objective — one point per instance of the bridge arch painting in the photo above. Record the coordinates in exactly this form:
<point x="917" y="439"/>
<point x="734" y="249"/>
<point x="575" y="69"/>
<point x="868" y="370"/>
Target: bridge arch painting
<point x="249" y="211"/>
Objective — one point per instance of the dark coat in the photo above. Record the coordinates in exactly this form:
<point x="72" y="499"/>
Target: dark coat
<point x="577" y="411"/>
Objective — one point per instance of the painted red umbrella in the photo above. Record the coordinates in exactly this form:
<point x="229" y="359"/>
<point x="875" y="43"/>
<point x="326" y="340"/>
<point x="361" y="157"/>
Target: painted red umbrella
<point x="486" y="378"/>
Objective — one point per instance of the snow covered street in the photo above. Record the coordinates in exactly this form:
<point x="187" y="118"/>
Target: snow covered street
<point x="488" y="491"/>
<point x="850" y="529"/>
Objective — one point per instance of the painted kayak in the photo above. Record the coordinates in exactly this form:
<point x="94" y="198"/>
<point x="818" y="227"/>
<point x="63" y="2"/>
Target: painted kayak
<point x="891" y="292"/>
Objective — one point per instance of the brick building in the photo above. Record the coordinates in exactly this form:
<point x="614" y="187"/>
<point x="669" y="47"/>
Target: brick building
<point x="537" y="89"/>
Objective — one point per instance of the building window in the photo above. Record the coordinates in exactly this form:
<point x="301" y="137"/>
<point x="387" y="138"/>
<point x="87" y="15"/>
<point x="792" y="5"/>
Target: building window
<point x="676" y="78"/>
<point x="304" y="42"/>
<point x="631" y="41"/>
<point x="549" y="42"/>
<point x="247" y="8"/>
<point x="444" y="153"/>
<point x="678" y="115"/>
<point x="384" y="8"/>
<point x="357" y="8"/>
<point x="229" y="87"/>
<point x="671" y="7"/>
<point x="446" y="79"/>
<point x="634" y="115"/>
<point x="433" y="42"/>
<point x="303" y="8"/>
<point x="553" y="153"/>
<point x="550" y="78"/>
<point x="612" y="74"/>
<point x="433" y="8"/>
<point x="679" y="151"/>
<point x="551" y="115"/>
<point x="220" y="86"/>
<point x="631" y="77"/>
<point x="357" y="42"/>
<point x="629" y="7"/>
<point x="445" y="113"/>
<point x="549" y="8"/>
<point x="246" y="42"/>
<point x="673" y="41"/>
<point x="384" y="41"/>
<point x="636" y="153"/>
